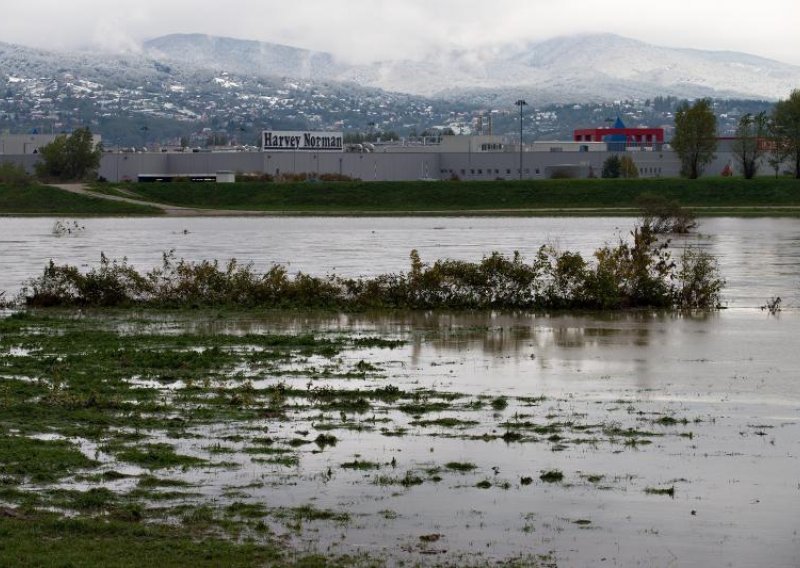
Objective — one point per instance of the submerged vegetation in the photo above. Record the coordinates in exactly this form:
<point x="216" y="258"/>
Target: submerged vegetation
<point x="637" y="273"/>
<point x="664" y="216"/>
<point x="204" y="438"/>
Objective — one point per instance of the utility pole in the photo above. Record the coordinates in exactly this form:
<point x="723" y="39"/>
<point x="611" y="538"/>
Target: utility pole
<point x="520" y="103"/>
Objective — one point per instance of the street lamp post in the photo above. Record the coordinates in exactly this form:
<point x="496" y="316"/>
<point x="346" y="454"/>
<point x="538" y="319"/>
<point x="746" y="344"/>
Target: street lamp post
<point x="520" y="103"/>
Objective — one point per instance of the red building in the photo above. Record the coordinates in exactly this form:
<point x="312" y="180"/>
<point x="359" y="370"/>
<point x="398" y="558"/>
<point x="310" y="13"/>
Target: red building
<point x="620" y="136"/>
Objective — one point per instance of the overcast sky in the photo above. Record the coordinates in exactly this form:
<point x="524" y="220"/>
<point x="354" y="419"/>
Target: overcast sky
<point x="363" y="30"/>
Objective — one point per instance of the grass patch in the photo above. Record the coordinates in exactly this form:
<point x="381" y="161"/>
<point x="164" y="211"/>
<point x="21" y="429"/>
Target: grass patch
<point x="37" y="199"/>
<point x="39" y="461"/>
<point x="461" y="466"/>
<point x="670" y="491"/>
<point x="116" y="544"/>
<point x="157" y="456"/>
<point x="416" y="408"/>
<point x="309" y="513"/>
<point x="408" y="196"/>
<point x="361" y="465"/>
<point x="593" y="478"/>
<point x="151" y="482"/>
<point x="446" y="423"/>
<point x="552" y="476"/>
<point x="325" y="440"/>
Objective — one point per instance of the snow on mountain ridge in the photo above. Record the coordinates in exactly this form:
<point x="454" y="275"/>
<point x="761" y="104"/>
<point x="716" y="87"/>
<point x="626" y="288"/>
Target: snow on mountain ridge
<point x="241" y="56"/>
<point x="588" y="67"/>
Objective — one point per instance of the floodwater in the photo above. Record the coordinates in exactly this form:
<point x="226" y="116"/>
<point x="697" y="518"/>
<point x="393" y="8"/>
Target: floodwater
<point x="729" y="383"/>
<point x="760" y="258"/>
<point x="730" y="450"/>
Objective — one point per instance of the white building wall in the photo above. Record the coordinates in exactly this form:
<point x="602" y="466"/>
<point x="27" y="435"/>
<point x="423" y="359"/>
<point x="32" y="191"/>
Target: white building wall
<point x="387" y="166"/>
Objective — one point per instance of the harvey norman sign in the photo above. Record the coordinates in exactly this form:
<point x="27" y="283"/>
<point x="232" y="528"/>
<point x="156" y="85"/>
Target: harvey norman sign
<point x="302" y="141"/>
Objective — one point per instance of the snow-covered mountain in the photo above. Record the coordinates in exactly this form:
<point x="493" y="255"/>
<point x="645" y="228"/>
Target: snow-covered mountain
<point x="597" y="67"/>
<point x="243" y="57"/>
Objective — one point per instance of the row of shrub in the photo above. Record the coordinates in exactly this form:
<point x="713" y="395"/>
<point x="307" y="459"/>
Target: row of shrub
<point x="292" y="177"/>
<point x="640" y="273"/>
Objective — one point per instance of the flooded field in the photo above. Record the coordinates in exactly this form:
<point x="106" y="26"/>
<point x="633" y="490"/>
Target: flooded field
<point x="395" y="438"/>
<point x="759" y="258"/>
<point x="436" y="439"/>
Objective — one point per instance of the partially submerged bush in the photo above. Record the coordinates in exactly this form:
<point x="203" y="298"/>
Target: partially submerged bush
<point x="636" y="274"/>
<point x="663" y="216"/>
<point x="699" y="285"/>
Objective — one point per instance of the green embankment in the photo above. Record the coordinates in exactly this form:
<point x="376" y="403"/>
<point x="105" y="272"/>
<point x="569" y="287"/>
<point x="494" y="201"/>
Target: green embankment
<point x="705" y="196"/>
<point x="43" y="200"/>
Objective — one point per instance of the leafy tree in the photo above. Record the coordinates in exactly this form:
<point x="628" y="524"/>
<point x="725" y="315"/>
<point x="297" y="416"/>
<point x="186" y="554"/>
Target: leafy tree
<point x="611" y="167"/>
<point x="695" y="139"/>
<point x="749" y="148"/>
<point x="13" y="175"/>
<point x="786" y="130"/>
<point x="73" y="157"/>
<point x="627" y="167"/>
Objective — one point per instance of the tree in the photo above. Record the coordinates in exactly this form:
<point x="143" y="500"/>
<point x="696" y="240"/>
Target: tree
<point x="695" y="139"/>
<point x="786" y="130"/>
<point x="749" y="145"/>
<point x="217" y="139"/>
<point x="13" y="175"/>
<point x="611" y="167"/>
<point x="627" y="167"/>
<point x="775" y="160"/>
<point x="73" y="157"/>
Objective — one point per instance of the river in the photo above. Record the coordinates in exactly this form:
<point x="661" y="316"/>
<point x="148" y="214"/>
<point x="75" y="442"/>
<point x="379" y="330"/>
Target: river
<point x="759" y="258"/>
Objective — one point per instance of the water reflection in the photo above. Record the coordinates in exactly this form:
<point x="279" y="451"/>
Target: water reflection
<point x="684" y="356"/>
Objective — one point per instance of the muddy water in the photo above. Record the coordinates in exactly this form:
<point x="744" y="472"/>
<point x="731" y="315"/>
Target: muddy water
<point x="729" y="383"/>
<point x="730" y="451"/>
<point x="760" y="258"/>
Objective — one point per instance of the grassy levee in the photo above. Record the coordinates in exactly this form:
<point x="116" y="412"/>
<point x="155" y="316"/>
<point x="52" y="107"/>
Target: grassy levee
<point x="705" y="196"/>
<point x="37" y="199"/>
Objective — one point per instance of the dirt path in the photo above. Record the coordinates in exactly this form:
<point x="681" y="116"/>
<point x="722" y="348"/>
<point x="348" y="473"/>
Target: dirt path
<point x="169" y="210"/>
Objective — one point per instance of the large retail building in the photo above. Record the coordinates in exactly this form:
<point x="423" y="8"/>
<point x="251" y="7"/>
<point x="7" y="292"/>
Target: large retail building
<point x="461" y="157"/>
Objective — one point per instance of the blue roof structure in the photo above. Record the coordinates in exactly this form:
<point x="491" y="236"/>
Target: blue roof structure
<point x="616" y="142"/>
